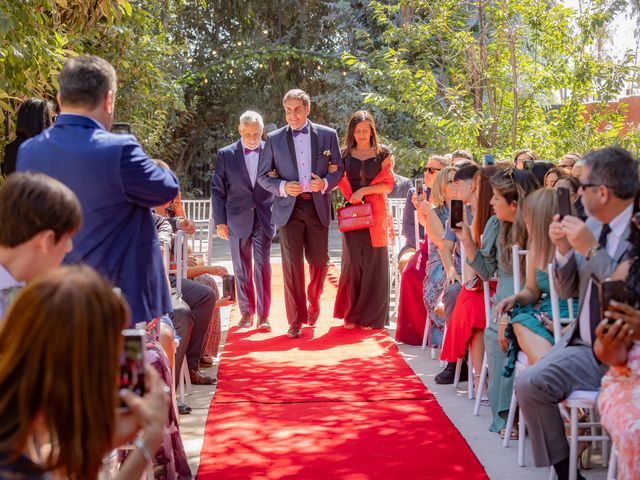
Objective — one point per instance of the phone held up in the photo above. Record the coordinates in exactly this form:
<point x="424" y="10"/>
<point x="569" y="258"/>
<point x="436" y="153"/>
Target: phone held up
<point x="121" y="127"/>
<point x="419" y="186"/>
<point x="564" y="202"/>
<point x="132" y="362"/>
<point x="229" y="287"/>
<point x="608" y="291"/>
<point x="488" y="160"/>
<point x="456" y="214"/>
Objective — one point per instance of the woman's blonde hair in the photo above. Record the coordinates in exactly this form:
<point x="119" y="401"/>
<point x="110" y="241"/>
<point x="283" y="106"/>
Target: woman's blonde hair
<point x="538" y="211"/>
<point x="437" y="197"/>
<point x="59" y="349"/>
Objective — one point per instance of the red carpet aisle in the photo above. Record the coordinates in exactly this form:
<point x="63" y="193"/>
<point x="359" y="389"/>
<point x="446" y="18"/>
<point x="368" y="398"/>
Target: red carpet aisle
<point x="334" y="404"/>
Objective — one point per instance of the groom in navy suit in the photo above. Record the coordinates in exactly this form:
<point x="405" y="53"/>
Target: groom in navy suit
<point x="242" y="213"/>
<point x="300" y="154"/>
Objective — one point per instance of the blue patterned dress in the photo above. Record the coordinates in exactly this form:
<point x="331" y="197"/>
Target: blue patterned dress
<point x="435" y="280"/>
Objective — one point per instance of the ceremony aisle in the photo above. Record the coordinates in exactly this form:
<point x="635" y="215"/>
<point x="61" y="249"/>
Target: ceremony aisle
<point x="333" y="404"/>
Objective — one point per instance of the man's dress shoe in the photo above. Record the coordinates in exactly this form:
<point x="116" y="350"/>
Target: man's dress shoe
<point x="263" y="324"/>
<point x="294" y="331"/>
<point x="183" y="408"/>
<point x="199" y="378"/>
<point x="313" y="312"/>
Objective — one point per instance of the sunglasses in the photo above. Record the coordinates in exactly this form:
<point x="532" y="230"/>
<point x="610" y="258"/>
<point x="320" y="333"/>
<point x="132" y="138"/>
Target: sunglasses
<point x="431" y="170"/>
<point x="584" y="186"/>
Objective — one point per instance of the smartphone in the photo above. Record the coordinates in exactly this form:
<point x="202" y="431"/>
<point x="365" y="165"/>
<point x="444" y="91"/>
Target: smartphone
<point x="121" y="127"/>
<point x="488" y="159"/>
<point x="419" y="186"/>
<point x="132" y="362"/>
<point x="229" y="287"/>
<point x="528" y="165"/>
<point x="611" y="290"/>
<point x="456" y="214"/>
<point x="564" y="202"/>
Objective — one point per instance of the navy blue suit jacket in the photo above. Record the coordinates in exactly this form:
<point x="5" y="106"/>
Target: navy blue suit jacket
<point x="117" y="184"/>
<point x="279" y="154"/>
<point x="233" y="199"/>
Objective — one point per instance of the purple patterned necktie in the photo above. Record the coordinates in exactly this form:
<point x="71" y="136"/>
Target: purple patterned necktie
<point x="247" y="151"/>
<point x="304" y="130"/>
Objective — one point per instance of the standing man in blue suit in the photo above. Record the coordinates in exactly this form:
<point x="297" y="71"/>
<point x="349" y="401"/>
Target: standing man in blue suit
<point x="300" y="153"/>
<point x="242" y="213"/>
<point x="115" y="181"/>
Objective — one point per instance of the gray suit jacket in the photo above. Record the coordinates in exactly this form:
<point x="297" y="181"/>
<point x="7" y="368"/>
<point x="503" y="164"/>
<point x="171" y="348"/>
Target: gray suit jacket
<point x="279" y="153"/>
<point x="572" y="279"/>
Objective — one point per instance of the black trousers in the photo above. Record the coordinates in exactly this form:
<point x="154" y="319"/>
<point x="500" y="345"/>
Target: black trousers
<point x="363" y="291"/>
<point x="192" y="313"/>
<point x="304" y="236"/>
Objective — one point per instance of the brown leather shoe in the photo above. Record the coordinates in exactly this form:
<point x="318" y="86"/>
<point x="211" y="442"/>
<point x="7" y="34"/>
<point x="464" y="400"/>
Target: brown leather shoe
<point x="199" y="378"/>
<point x="313" y="312"/>
<point x="263" y="324"/>
<point x="246" y="321"/>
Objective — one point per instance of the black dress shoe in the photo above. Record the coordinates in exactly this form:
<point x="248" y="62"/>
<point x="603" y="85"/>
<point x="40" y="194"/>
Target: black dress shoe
<point x="313" y="312"/>
<point x="447" y="376"/>
<point x="183" y="408"/>
<point x="199" y="378"/>
<point x="294" y="331"/>
<point x="263" y="324"/>
<point x="246" y="321"/>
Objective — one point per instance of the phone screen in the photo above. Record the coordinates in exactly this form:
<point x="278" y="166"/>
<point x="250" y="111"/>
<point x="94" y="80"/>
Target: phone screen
<point x="456" y="215"/>
<point x="132" y="361"/>
<point x="611" y="290"/>
<point x="488" y="159"/>
<point x="564" y="202"/>
<point x="120" y="127"/>
<point x="419" y="186"/>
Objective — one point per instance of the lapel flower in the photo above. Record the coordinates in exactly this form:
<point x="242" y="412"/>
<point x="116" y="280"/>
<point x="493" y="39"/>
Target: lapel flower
<point x="327" y="153"/>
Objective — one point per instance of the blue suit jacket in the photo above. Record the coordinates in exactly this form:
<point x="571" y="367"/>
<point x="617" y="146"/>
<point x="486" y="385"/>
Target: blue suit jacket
<point x="279" y="154"/>
<point x="233" y="199"/>
<point x="116" y="184"/>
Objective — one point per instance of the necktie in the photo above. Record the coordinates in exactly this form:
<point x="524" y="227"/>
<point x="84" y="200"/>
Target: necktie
<point x="304" y="130"/>
<point x="594" y="300"/>
<point x="247" y="151"/>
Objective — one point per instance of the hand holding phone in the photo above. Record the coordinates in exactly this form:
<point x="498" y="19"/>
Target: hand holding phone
<point x="608" y="291"/>
<point x="132" y="362"/>
<point x="456" y="214"/>
<point x="419" y="186"/>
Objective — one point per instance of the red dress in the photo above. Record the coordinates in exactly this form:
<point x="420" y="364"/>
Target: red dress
<point x="412" y="313"/>
<point x="468" y="314"/>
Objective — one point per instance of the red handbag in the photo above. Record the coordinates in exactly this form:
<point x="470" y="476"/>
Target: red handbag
<point x="355" y="217"/>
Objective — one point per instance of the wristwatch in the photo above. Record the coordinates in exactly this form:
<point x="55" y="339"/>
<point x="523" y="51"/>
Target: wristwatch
<point x="592" y="251"/>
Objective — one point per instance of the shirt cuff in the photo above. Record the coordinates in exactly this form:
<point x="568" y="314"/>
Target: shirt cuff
<point x="561" y="259"/>
<point x="282" y="192"/>
<point x="326" y="186"/>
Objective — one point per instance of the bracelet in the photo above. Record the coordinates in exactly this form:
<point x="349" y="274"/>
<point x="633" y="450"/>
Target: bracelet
<point x="146" y="453"/>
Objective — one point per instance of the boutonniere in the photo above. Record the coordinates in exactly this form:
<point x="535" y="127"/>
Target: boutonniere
<point x="327" y="153"/>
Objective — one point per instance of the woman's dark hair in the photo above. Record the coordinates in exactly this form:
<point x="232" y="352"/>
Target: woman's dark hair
<point x="633" y="253"/>
<point x="34" y="116"/>
<point x="484" y="211"/>
<point x="540" y="169"/>
<point x="359" y="117"/>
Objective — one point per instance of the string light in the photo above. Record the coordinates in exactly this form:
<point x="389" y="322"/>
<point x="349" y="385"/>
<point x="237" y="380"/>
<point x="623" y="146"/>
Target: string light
<point x="265" y="31"/>
<point x="344" y="74"/>
<point x="287" y="62"/>
<point x="206" y="80"/>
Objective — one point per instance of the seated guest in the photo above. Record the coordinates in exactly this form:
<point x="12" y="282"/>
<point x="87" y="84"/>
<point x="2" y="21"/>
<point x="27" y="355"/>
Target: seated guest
<point x="34" y="115"/>
<point x="411" y="310"/>
<point x="521" y="155"/>
<point x="553" y="175"/>
<point x="576" y="171"/>
<point x="510" y="188"/>
<point x="64" y="329"/>
<point x="467" y="320"/>
<point x="409" y="227"/>
<point x="39" y="216"/>
<point x="540" y="169"/>
<point x="529" y="327"/>
<point x="568" y="160"/>
<point x="609" y="181"/>
<point x="460" y="157"/>
<point x="401" y="186"/>
<point x="618" y="345"/>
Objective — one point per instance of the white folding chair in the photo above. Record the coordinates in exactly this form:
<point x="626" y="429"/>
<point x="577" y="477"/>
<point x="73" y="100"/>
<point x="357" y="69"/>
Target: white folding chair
<point x="521" y="363"/>
<point x="396" y="210"/>
<point x="485" y="366"/>
<point x="456" y="377"/>
<point x="180" y="253"/>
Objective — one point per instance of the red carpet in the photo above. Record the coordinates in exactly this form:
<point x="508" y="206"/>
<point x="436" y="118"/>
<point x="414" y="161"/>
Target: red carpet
<point x="334" y="404"/>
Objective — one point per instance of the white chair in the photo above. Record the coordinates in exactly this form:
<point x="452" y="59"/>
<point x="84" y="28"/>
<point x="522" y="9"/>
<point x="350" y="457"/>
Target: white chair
<point x="180" y="253"/>
<point x="396" y="210"/>
<point x="485" y="366"/>
<point x="521" y="363"/>
<point x="456" y="377"/>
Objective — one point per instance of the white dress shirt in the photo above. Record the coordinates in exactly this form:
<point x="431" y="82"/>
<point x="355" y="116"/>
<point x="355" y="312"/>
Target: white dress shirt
<point x="618" y="225"/>
<point x="8" y="284"/>
<point x="251" y="161"/>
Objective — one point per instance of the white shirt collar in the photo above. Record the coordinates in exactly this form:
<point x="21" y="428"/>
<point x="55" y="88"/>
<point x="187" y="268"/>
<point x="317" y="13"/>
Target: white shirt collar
<point x="85" y="116"/>
<point x="307" y="124"/>
<point x="619" y="224"/>
<point x="7" y="280"/>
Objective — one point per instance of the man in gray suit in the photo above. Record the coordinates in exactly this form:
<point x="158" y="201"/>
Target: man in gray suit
<point x="300" y="154"/>
<point x="609" y="182"/>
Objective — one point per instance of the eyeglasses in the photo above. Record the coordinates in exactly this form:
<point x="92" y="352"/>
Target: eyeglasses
<point x="431" y="170"/>
<point x="584" y="186"/>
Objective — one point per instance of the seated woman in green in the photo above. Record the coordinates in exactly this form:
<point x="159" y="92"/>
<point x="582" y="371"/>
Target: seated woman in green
<point x="530" y="328"/>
